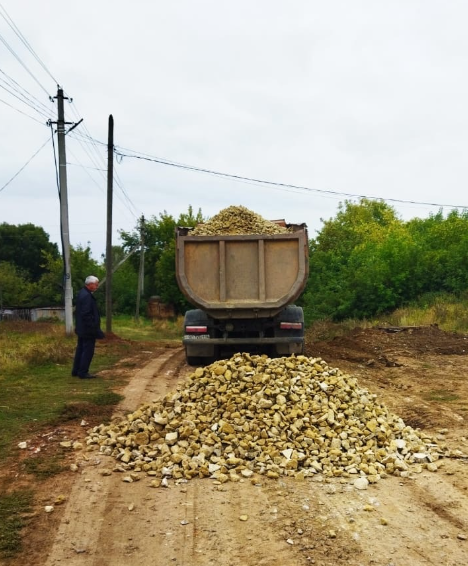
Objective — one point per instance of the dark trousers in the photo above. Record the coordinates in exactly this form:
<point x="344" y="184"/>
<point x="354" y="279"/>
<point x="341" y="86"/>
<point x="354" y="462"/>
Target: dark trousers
<point x="83" y="355"/>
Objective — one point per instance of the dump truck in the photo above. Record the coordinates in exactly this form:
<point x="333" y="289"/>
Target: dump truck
<point x="244" y="287"/>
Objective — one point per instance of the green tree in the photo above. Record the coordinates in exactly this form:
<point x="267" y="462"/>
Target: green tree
<point x="124" y="283"/>
<point x="344" y="261"/>
<point x="82" y="265"/>
<point x="443" y="245"/>
<point x="159" y="239"/>
<point x="24" y="246"/>
<point x="167" y="281"/>
<point x="49" y="289"/>
<point x="15" y="289"/>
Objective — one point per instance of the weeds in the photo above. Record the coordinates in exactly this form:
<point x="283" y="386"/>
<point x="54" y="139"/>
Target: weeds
<point x="442" y="395"/>
<point x="149" y="330"/>
<point x="107" y="398"/>
<point x="43" y="467"/>
<point x="13" y="508"/>
<point x="445" y="311"/>
<point x="36" y="384"/>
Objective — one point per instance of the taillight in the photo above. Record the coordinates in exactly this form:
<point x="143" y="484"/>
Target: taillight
<point x="291" y="325"/>
<point x="196" y="329"/>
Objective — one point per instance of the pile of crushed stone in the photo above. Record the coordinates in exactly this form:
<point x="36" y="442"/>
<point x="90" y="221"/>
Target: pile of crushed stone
<point x="236" y="220"/>
<point x="251" y="414"/>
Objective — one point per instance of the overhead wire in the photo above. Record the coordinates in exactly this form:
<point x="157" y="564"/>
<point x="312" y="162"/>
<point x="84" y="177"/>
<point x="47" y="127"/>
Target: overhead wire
<point x="16" y="56"/>
<point x="94" y="144"/>
<point x="21" y="112"/>
<point x="10" y="85"/>
<point x="99" y="170"/>
<point x="40" y="112"/>
<point x="27" y="98"/>
<point x="25" y="165"/>
<point x="55" y="160"/>
<point x="278" y="184"/>
<point x="26" y="43"/>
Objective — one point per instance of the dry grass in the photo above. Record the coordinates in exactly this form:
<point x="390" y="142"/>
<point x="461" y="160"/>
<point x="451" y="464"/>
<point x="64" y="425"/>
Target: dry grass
<point x="24" y="345"/>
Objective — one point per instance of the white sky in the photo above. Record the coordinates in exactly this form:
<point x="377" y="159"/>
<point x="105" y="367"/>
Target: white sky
<point x="365" y="97"/>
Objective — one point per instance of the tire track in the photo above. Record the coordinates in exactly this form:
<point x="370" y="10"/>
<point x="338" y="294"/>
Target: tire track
<point x="90" y="531"/>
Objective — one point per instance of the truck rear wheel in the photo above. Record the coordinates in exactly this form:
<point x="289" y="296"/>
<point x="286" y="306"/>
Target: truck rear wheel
<point x="194" y="361"/>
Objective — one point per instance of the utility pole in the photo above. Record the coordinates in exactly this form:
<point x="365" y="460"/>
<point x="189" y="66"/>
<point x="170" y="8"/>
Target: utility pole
<point x="141" y="273"/>
<point x="64" y="211"/>
<point x="110" y="182"/>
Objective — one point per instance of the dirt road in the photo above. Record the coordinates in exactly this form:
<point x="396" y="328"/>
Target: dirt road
<point x="420" y="374"/>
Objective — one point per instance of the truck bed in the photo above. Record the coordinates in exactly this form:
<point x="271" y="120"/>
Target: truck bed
<point x="242" y="276"/>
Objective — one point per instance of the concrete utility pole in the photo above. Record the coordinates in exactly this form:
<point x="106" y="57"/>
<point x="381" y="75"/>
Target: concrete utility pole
<point x="110" y="182"/>
<point x="64" y="211"/>
<point x="141" y="273"/>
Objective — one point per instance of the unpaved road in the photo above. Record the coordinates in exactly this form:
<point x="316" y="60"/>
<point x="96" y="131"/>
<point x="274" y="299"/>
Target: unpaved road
<point x="422" y="375"/>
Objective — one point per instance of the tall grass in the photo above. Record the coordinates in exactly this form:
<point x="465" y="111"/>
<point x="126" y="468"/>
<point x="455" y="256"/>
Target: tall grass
<point x="36" y="383"/>
<point x="23" y="345"/>
<point x="445" y="311"/>
<point x="148" y="330"/>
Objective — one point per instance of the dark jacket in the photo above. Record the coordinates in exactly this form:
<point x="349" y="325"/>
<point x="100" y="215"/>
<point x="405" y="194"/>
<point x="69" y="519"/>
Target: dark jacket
<point x="88" y="321"/>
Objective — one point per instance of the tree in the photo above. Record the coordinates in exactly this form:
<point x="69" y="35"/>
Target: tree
<point x="15" y="289"/>
<point x="124" y="283"/>
<point x="344" y="261"/>
<point x="82" y="265"/>
<point x="159" y="238"/>
<point x="49" y="289"/>
<point x="24" y="246"/>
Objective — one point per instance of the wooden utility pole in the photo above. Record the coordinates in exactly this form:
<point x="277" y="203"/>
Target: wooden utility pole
<point x="110" y="183"/>
<point x="141" y="273"/>
<point x="64" y="227"/>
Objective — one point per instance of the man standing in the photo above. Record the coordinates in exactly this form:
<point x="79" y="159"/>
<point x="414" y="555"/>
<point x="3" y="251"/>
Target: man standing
<point x="87" y="328"/>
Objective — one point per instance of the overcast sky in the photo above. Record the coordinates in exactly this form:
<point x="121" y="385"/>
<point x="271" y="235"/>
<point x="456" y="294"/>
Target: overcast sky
<point x="358" y="97"/>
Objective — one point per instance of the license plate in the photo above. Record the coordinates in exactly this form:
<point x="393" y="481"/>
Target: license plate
<point x="195" y="336"/>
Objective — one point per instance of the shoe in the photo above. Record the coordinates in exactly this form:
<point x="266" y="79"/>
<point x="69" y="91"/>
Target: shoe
<point x="74" y="374"/>
<point x="87" y="376"/>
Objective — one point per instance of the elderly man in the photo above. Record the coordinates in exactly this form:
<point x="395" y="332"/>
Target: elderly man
<point x="87" y="328"/>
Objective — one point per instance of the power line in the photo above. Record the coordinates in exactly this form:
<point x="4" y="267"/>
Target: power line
<point x="81" y="137"/>
<point x="55" y="159"/>
<point x="14" y="27"/>
<point x="27" y="98"/>
<point x="101" y="172"/>
<point x="12" y="51"/>
<point x="21" y="112"/>
<point x="27" y="163"/>
<point x="30" y="105"/>
<point x="276" y="184"/>
<point x="84" y="166"/>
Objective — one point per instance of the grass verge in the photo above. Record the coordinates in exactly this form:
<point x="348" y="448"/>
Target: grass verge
<point x="148" y="330"/>
<point x="442" y="395"/>
<point x="39" y="394"/>
<point x="13" y="508"/>
<point x="37" y="386"/>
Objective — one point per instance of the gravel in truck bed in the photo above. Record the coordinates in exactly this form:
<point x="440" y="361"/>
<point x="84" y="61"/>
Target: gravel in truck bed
<point x="236" y="220"/>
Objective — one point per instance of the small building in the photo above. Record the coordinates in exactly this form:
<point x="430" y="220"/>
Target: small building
<point x="158" y="309"/>
<point x="41" y="313"/>
<point x="33" y="314"/>
<point x="15" y="313"/>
